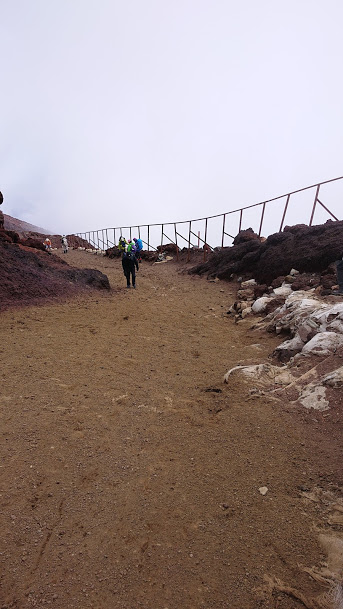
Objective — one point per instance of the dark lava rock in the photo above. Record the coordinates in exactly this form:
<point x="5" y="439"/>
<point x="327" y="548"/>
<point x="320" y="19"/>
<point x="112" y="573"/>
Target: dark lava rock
<point x="305" y="281"/>
<point x="307" y="249"/>
<point x="259" y="290"/>
<point x="150" y="256"/>
<point x="113" y="252"/>
<point x="13" y="236"/>
<point x="274" y="304"/>
<point x="168" y="248"/>
<point x="246" y="235"/>
<point x="35" y="243"/>
<point x="327" y="281"/>
<point x="296" y="229"/>
<point x="277" y="283"/>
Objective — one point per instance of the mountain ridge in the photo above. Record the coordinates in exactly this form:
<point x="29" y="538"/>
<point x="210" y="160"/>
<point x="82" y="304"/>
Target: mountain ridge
<point x="21" y="227"/>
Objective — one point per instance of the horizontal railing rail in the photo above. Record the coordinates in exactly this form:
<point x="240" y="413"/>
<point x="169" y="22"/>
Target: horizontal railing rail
<point x="108" y="237"/>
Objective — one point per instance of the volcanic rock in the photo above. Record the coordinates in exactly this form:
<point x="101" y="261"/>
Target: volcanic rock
<point x="29" y="276"/>
<point x="306" y="249"/>
<point x="246" y="235"/>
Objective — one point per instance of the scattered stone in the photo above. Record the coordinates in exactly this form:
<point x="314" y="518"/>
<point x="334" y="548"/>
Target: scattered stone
<point x="323" y="343"/>
<point x="260" y="304"/>
<point x="248" y="284"/>
<point x="335" y="378"/>
<point x="263" y="490"/>
<point x="314" y="396"/>
<point x="261" y="374"/>
<point x="246" y="311"/>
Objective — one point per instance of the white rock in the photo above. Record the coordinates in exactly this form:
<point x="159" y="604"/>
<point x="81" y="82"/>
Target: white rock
<point x="246" y="312"/>
<point x="333" y="546"/>
<point x="284" y="290"/>
<point x="261" y="374"/>
<point x="293" y="272"/>
<point x="263" y="490"/>
<point x="323" y="343"/>
<point x="335" y="378"/>
<point x="314" y="396"/>
<point x="260" y="304"/>
<point x="248" y="284"/>
<point x="293" y="346"/>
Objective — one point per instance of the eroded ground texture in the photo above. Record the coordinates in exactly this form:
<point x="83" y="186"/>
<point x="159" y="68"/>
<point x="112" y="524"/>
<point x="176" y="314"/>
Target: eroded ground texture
<point x="130" y="473"/>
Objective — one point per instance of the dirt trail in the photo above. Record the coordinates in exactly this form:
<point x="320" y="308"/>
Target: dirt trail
<point x="129" y="471"/>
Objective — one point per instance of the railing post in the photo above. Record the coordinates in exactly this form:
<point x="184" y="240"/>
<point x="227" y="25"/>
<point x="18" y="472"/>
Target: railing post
<point x="284" y="213"/>
<point x="177" y="249"/>
<point x="189" y="241"/>
<point x="240" y="220"/>
<point x="314" y="204"/>
<point x="161" y="236"/>
<point x="223" y="233"/>
<point x="148" y="237"/>
<point x="262" y="216"/>
<point x="205" y="239"/>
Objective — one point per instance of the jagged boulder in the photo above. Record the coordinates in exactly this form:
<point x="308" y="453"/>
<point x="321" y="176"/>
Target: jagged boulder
<point x="246" y="235"/>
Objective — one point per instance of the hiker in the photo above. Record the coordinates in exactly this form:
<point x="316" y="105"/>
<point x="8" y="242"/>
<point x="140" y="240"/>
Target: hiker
<point x="339" y="270"/>
<point x="130" y="264"/>
<point x="139" y="247"/>
<point x="64" y="243"/>
<point x="122" y="244"/>
<point x="47" y="245"/>
<point x="131" y="246"/>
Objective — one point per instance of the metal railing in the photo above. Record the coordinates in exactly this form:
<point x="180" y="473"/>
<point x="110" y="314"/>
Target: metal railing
<point x="184" y="231"/>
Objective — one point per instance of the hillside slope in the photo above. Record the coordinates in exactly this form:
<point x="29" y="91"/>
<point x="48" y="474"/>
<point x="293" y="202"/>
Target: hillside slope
<point x="21" y="227"/>
<point x="29" y="275"/>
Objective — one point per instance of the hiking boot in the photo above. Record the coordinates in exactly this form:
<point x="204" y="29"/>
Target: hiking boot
<point x="337" y="292"/>
<point x="128" y="286"/>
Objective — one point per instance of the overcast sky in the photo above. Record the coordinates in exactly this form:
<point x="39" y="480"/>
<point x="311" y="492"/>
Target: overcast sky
<point x="139" y="111"/>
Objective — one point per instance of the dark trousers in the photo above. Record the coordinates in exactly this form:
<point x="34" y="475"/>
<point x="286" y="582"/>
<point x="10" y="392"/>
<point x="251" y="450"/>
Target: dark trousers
<point x="128" y="271"/>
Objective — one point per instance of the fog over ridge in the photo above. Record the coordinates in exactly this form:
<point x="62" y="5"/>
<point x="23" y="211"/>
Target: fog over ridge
<point x="118" y="114"/>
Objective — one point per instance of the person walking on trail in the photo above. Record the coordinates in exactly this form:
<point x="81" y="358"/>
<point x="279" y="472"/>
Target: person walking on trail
<point x="139" y="247"/>
<point x="47" y="245"/>
<point x="64" y="244"/>
<point x="130" y="264"/>
<point x="131" y="246"/>
<point x="122" y="244"/>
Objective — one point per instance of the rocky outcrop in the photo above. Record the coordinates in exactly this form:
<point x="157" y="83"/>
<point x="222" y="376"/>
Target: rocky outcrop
<point x="307" y="249"/>
<point x="29" y="276"/>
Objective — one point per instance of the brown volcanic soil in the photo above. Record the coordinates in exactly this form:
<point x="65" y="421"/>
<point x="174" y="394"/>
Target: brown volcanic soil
<point x="130" y="472"/>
